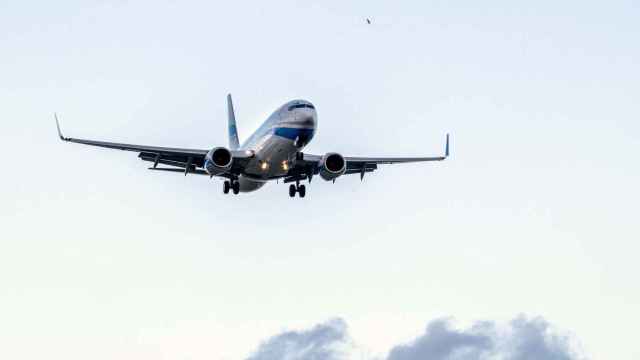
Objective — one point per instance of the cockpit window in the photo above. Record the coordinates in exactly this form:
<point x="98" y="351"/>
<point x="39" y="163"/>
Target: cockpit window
<point x="301" y="106"/>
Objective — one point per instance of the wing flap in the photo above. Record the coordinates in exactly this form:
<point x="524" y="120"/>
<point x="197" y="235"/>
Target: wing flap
<point x="172" y="160"/>
<point x="191" y="171"/>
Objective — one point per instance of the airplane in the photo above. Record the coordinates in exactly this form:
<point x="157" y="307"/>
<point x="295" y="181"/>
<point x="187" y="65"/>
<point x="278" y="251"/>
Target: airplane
<point x="272" y="152"/>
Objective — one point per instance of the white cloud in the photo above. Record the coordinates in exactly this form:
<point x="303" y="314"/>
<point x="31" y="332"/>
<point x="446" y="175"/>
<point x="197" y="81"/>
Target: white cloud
<point x="520" y="339"/>
<point x="322" y="342"/>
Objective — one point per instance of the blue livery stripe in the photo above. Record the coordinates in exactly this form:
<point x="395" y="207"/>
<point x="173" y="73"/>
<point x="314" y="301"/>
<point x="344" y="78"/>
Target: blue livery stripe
<point x="293" y="133"/>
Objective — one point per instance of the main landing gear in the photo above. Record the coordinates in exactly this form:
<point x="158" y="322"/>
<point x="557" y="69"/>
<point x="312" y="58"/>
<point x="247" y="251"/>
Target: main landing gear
<point x="297" y="188"/>
<point x="231" y="185"/>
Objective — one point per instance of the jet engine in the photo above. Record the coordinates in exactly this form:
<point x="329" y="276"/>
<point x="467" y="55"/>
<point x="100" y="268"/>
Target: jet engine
<point x="218" y="161"/>
<point x="332" y="166"/>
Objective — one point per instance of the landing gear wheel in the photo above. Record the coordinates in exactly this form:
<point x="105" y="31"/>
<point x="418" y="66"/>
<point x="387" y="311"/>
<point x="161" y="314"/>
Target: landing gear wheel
<point x="302" y="190"/>
<point x="292" y="190"/>
<point x="236" y="187"/>
<point x="225" y="187"/>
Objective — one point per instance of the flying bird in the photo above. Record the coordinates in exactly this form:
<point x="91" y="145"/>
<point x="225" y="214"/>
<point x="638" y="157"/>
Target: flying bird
<point x="368" y="21"/>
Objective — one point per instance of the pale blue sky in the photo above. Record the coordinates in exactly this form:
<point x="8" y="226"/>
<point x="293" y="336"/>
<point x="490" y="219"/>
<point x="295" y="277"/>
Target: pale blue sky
<point x="535" y="213"/>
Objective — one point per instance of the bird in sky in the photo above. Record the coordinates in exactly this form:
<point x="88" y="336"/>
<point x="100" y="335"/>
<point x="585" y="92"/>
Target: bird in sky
<point x="368" y="21"/>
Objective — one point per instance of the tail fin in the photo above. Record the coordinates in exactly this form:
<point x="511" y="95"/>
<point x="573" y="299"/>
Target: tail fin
<point x="234" y="143"/>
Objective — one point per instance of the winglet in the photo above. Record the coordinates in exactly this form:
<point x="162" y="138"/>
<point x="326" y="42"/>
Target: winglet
<point x="446" y="148"/>
<point x="58" y="126"/>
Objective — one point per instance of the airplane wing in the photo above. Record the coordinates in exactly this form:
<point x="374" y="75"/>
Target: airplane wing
<point x="310" y="164"/>
<point x="185" y="160"/>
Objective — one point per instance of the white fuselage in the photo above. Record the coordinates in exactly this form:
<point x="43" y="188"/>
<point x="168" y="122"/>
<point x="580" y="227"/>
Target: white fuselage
<point x="276" y="143"/>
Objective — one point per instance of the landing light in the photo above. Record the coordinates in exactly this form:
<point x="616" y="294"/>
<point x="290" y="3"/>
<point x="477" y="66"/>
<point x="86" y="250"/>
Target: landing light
<point x="285" y="165"/>
<point x="264" y="166"/>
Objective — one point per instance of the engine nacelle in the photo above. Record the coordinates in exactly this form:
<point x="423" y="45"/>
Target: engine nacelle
<point x="332" y="166"/>
<point x="218" y="161"/>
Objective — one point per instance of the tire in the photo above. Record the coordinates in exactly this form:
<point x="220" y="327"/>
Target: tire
<point x="225" y="187"/>
<point x="236" y="187"/>
<point x="292" y="190"/>
<point x="302" y="190"/>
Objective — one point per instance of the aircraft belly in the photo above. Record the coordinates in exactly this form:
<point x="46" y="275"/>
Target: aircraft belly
<point x="273" y="150"/>
<point x="248" y="185"/>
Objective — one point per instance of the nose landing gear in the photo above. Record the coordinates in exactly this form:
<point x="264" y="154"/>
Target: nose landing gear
<point x="231" y="185"/>
<point x="297" y="188"/>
